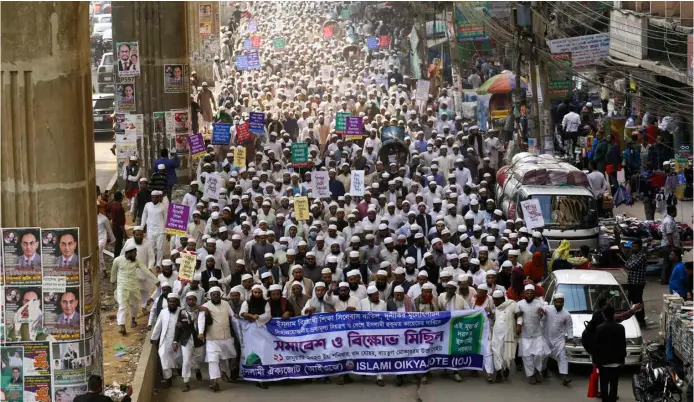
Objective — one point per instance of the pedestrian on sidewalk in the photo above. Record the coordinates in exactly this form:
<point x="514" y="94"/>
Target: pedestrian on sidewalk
<point x="610" y="352"/>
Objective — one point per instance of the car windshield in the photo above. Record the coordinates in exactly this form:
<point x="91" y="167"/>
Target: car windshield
<point x="106" y="103"/>
<point x="107" y="34"/>
<point x="582" y="299"/>
<point x="108" y="59"/>
<point x="567" y="211"/>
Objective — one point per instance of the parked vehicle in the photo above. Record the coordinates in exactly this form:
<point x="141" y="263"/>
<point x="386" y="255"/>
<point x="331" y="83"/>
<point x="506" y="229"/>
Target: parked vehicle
<point x="581" y="289"/>
<point x="103" y="106"/>
<point x="657" y="381"/>
<point x="105" y="74"/>
<point x="567" y="204"/>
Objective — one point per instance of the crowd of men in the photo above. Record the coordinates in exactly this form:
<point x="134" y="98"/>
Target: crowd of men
<point x="425" y="236"/>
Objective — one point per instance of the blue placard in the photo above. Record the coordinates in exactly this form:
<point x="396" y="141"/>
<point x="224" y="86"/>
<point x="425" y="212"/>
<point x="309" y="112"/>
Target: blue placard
<point x="242" y="62"/>
<point x="247" y="44"/>
<point x="372" y="42"/>
<point x="221" y="134"/>
<point x="257" y="123"/>
<point x="253" y="60"/>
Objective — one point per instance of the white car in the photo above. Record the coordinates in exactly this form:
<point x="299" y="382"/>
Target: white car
<point x="581" y="289"/>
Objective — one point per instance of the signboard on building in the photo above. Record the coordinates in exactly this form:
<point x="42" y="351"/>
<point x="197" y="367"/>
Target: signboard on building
<point x="628" y="34"/>
<point x="560" y="78"/>
<point x="585" y="50"/>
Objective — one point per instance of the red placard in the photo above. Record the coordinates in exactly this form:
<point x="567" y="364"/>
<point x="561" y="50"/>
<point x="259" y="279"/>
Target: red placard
<point x="328" y="32"/>
<point x="255" y="42"/>
<point x="384" y="41"/>
<point x="242" y="133"/>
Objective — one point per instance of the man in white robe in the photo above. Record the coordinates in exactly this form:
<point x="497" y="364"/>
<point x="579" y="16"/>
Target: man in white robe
<point x="124" y="273"/>
<point x="105" y="235"/>
<point x="219" y="344"/>
<point x="343" y="300"/>
<point x="373" y="303"/>
<point x="163" y="334"/>
<point x="186" y="338"/>
<point x="532" y="346"/>
<point x="145" y="253"/>
<point x="558" y="330"/>
<point x="503" y="334"/>
<point x="154" y="221"/>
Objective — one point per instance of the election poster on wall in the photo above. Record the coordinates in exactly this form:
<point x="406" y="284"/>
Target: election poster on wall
<point x="364" y="343"/>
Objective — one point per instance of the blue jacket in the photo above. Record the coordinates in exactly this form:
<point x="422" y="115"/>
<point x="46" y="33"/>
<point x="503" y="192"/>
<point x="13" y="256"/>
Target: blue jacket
<point x="171" y="166"/>
<point x="678" y="280"/>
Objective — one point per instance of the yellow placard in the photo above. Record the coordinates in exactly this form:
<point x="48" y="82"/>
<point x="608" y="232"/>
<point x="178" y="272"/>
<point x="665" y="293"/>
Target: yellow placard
<point x="187" y="268"/>
<point x="240" y="157"/>
<point x="301" y="208"/>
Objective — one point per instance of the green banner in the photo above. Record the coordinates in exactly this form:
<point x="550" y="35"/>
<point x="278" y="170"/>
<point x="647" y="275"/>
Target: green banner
<point x="279" y="43"/>
<point x="346" y="13"/>
<point x="341" y="121"/>
<point x="299" y="154"/>
<point x="560" y="78"/>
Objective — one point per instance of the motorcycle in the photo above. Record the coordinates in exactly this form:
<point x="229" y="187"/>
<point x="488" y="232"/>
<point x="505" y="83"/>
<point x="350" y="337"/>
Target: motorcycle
<point x="657" y="381"/>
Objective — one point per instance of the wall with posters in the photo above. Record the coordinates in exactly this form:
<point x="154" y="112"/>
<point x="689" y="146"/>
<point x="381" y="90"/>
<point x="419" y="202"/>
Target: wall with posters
<point x="203" y="37"/>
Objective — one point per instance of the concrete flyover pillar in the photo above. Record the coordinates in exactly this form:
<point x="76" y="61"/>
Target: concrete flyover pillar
<point x="47" y="171"/>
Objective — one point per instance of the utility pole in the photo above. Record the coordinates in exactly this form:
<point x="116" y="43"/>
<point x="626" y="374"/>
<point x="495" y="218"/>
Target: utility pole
<point x="540" y="27"/>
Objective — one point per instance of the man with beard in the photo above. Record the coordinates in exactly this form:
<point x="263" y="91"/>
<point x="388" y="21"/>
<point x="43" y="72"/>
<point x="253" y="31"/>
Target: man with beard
<point x="532" y="347"/>
<point x="196" y="228"/>
<point x="160" y="302"/>
<point x="524" y="256"/>
<point x="485" y="262"/>
<point x="209" y="272"/>
<point x="465" y="290"/>
<point x="426" y="301"/>
<point x="163" y="334"/>
<point x="124" y="274"/>
<point x="478" y="276"/>
<point x="388" y="253"/>
<point x="258" y="250"/>
<point x="418" y="250"/>
<point x="381" y="283"/>
<point x="270" y="267"/>
<point x="279" y="306"/>
<point x="431" y="267"/>
<point x="297" y="298"/>
<point x="399" y="280"/>
<point x="297" y="275"/>
<point x="219" y="344"/>
<point x="416" y="288"/>
<point x="411" y="270"/>
<point x="235" y="300"/>
<point x="331" y="262"/>
<point x="319" y="303"/>
<point x="558" y="330"/>
<point x="344" y="301"/>
<point x="154" y="222"/>
<point x="356" y="265"/>
<point x="194" y="287"/>
<point x="146" y="255"/>
<point x="311" y="269"/>
<point x="503" y="341"/>
<point x="356" y="289"/>
<point x="451" y="300"/>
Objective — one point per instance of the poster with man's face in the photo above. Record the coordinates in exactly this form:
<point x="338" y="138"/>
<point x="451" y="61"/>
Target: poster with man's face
<point x="62" y="314"/>
<point x="69" y="363"/>
<point x="125" y="97"/>
<point x="23" y="313"/>
<point x="175" y="78"/>
<point x="128" y="60"/>
<point x="22" y="256"/>
<point x="61" y="255"/>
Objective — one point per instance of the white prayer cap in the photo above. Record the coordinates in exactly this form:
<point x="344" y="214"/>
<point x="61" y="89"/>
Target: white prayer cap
<point x="498" y="212"/>
<point x="507" y="246"/>
<point x="491" y="238"/>
<point x="463" y="255"/>
<point x="172" y="295"/>
<point x="498" y="294"/>
<point x="446" y="273"/>
<point x="191" y="294"/>
<point x="370" y="236"/>
<point x="399" y="271"/>
<point x="257" y="286"/>
<point x="410" y="260"/>
<point x="355" y="239"/>
<point x="463" y="277"/>
<point x="130" y="247"/>
<point x="209" y="257"/>
<point x="387" y="240"/>
<point x="426" y="255"/>
<point x="320" y="238"/>
<point x="353" y="254"/>
<point x="428" y="286"/>
<point x="371" y="290"/>
<point x="452" y="283"/>
<point x="474" y="202"/>
<point x="507" y="264"/>
<point x="246" y="277"/>
<point x="491" y="272"/>
<point x="523" y="240"/>
<point x="483" y="248"/>
<point x="166" y="262"/>
<point x="418" y="235"/>
<point x="235" y="289"/>
<point x="164" y="282"/>
<point x="464" y="237"/>
<point x="291" y="251"/>
<point x="423" y="273"/>
<point x="558" y="296"/>
<point x="474" y="261"/>
<point x="514" y="252"/>
<point x="275" y="286"/>
<point x="303" y="243"/>
<point x="216" y="289"/>
<point x="266" y="274"/>
<point x="161" y="166"/>
<point x="240" y="261"/>
<point x="483" y="287"/>
<point x="136" y="228"/>
<point x="319" y="285"/>
<point x="398" y="289"/>
<point x="268" y="255"/>
<point x="210" y="240"/>
<point x="353" y="272"/>
<point x="381" y="272"/>
<point x="529" y="286"/>
<point x="157" y="192"/>
<point x="343" y="285"/>
<point x="476" y="228"/>
<point x="214" y="279"/>
<point x="326" y="271"/>
<point x="197" y="276"/>
<point x="223" y="228"/>
<point x="331" y="258"/>
<point x="537" y="235"/>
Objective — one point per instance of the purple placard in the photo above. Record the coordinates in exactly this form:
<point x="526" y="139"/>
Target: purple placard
<point x="177" y="219"/>
<point x="257" y="123"/>
<point x="253" y="60"/>
<point x="354" y="126"/>
<point x="196" y="145"/>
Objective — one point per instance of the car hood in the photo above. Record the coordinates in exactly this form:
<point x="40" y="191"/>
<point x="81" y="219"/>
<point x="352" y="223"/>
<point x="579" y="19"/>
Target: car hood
<point x="631" y="327"/>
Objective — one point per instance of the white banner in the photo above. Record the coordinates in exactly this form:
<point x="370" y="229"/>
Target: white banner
<point x="532" y="213"/>
<point x="213" y="183"/>
<point x="364" y="343"/>
<point x="422" y="93"/>
<point x="319" y="184"/>
<point x="357" y="185"/>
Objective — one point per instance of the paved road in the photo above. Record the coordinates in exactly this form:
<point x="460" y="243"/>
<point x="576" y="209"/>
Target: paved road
<point x="104" y="160"/>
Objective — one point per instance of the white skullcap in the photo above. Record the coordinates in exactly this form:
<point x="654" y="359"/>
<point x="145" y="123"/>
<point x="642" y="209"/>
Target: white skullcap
<point x="172" y="295"/>
<point x="426" y="255"/>
<point x="410" y="260"/>
<point x="241" y="262"/>
<point x="423" y="273"/>
<point x="234" y="237"/>
<point x="507" y="246"/>
<point x="353" y="272"/>
<point x="343" y="285"/>
<point x="266" y="274"/>
<point x="537" y="235"/>
<point x="514" y="252"/>
<point x="275" y="286"/>
<point x="523" y="240"/>
<point x="507" y="263"/>
<point x="164" y="282"/>
<point x="483" y="287"/>
<point x="257" y="286"/>
<point x="246" y="277"/>
<point x="319" y="285"/>
<point x="130" y="247"/>
<point x="216" y="289"/>
<point x="474" y="202"/>
<point x="463" y="277"/>
<point x="483" y="248"/>
<point x="326" y="271"/>
<point x="498" y="294"/>
<point x="491" y="239"/>
<point x="529" y="287"/>
<point x="209" y="257"/>
<point x="235" y="289"/>
<point x="161" y="166"/>
<point x="428" y="286"/>
<point x="474" y="261"/>
<point x="452" y="283"/>
<point x="387" y="240"/>
<point x="491" y="272"/>
<point x="291" y="251"/>
<point x="371" y="290"/>
<point x="353" y="254"/>
<point x="399" y="271"/>
<point x="381" y="272"/>
<point x="384" y="264"/>
<point x="445" y="273"/>
<point x="191" y="294"/>
<point x="197" y="277"/>
<point x="398" y="289"/>
<point x="355" y="239"/>
<point x="558" y="296"/>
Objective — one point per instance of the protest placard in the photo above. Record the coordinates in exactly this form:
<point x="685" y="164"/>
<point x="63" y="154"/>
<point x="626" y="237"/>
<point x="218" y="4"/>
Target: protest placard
<point x="327" y="32"/>
<point x="253" y="60"/>
<point x="255" y="42"/>
<point x="257" y="123"/>
<point x="372" y="42"/>
<point x="196" y="144"/>
<point x="221" y="134"/>
<point x="213" y="182"/>
<point x="319" y="184"/>
<point x="532" y="213"/>
<point x="242" y="133"/>
<point x="240" y="157"/>
<point x="187" y="268"/>
<point x="422" y="92"/>
<point x="357" y="184"/>
<point x="384" y="41"/>
<point x="177" y="219"/>
<point x="354" y="127"/>
<point x="341" y="122"/>
<point x="301" y="208"/>
<point x="279" y="44"/>
<point x="299" y="154"/>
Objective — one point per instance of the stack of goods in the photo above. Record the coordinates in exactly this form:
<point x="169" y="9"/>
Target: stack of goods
<point x="676" y="321"/>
